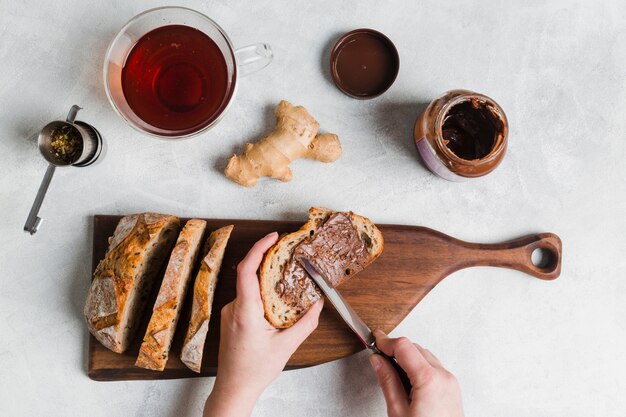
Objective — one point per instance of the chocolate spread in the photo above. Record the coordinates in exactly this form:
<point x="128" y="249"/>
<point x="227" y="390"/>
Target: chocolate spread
<point x="470" y="129"/>
<point x="336" y="250"/>
<point x="296" y="288"/>
<point x="364" y="63"/>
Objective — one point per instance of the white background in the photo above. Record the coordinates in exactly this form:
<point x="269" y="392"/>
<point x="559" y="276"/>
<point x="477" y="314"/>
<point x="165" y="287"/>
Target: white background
<point x="519" y="346"/>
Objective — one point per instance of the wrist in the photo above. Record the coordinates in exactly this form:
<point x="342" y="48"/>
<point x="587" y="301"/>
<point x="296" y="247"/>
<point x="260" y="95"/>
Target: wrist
<point x="230" y="401"/>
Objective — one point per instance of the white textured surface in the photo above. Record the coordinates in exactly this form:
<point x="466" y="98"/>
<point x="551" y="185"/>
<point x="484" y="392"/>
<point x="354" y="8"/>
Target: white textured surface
<point x="519" y="346"/>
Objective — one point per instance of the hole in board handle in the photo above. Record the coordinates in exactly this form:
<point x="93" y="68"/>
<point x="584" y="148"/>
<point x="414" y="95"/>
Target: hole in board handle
<point x="544" y="259"/>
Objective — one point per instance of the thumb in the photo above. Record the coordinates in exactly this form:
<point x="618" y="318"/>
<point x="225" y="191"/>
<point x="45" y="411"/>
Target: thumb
<point x="395" y="396"/>
<point x="296" y="334"/>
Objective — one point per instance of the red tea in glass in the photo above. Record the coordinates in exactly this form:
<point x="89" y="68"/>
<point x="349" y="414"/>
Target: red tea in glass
<point x="172" y="72"/>
<point x="175" y="78"/>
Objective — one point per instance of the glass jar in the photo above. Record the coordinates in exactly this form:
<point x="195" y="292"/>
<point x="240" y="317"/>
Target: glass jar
<point x="462" y="135"/>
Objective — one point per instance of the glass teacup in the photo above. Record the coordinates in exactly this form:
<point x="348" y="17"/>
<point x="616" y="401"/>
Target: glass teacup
<point x="172" y="72"/>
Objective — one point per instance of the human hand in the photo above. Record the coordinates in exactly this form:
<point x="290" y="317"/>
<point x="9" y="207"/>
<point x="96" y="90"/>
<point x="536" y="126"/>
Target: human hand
<point x="435" y="391"/>
<point x="252" y="352"/>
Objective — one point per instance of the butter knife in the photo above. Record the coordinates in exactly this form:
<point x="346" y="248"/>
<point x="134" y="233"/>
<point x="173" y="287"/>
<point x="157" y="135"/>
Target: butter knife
<point x="352" y="319"/>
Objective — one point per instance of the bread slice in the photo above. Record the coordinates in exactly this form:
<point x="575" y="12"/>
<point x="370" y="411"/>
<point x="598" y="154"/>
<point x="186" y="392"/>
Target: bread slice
<point x="203" y="291"/>
<point x="125" y="277"/>
<point x="157" y="341"/>
<point x="280" y="312"/>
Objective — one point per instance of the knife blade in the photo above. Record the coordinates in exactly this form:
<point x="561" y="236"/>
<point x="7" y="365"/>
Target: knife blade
<point x="352" y="319"/>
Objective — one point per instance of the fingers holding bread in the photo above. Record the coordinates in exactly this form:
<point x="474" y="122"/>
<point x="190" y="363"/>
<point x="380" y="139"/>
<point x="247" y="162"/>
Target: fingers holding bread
<point x="303" y="328"/>
<point x="247" y="280"/>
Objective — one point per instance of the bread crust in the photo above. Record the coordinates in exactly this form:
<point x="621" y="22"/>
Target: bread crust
<point x="277" y="312"/>
<point x="203" y="292"/>
<point x="116" y="299"/>
<point x="157" y="340"/>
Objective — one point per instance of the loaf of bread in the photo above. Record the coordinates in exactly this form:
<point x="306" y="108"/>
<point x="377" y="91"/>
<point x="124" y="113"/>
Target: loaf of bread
<point x="157" y="341"/>
<point x="124" y="279"/>
<point x="203" y="291"/>
<point x="287" y="290"/>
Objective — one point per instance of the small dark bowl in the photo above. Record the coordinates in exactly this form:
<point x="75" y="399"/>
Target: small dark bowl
<point x="391" y="55"/>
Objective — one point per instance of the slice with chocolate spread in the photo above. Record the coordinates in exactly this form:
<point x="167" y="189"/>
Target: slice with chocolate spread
<point x="338" y="244"/>
<point x="336" y="251"/>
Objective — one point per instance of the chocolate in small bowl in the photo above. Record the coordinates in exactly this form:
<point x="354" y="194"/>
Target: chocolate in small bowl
<point x="364" y="63"/>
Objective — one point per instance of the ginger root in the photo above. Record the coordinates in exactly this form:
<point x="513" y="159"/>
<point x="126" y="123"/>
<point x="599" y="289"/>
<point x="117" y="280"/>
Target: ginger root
<point x="295" y="137"/>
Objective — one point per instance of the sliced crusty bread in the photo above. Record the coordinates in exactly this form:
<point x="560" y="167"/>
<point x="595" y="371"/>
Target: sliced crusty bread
<point x="124" y="279"/>
<point x="157" y="341"/>
<point x="203" y="291"/>
<point x="279" y="312"/>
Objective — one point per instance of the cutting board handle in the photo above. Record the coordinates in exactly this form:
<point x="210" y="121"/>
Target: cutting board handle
<point x="538" y="255"/>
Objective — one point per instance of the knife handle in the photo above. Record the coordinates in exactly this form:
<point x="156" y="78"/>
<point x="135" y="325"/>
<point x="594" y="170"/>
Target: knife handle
<point x="404" y="378"/>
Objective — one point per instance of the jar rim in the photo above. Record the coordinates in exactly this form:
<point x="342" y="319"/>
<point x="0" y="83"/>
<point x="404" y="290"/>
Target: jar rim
<point x="497" y="148"/>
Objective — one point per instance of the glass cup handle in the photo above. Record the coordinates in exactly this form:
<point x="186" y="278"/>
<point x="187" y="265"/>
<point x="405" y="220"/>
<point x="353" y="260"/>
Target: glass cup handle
<point x="253" y="58"/>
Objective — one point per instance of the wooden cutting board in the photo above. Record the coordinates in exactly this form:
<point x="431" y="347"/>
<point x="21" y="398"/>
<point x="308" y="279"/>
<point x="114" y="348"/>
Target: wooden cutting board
<point x="414" y="260"/>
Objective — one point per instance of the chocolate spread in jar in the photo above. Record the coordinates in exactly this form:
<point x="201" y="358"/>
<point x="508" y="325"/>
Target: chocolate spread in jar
<point x="470" y="129"/>
<point x="462" y="135"/>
